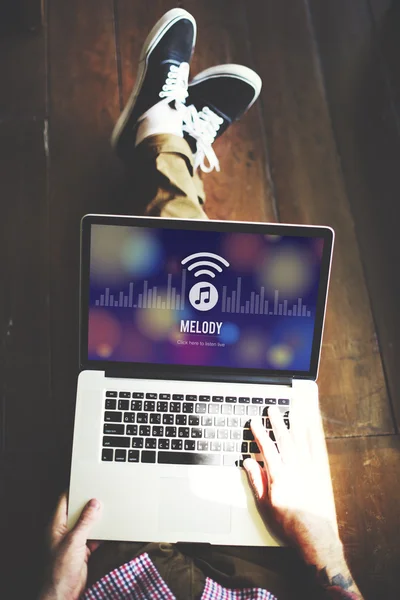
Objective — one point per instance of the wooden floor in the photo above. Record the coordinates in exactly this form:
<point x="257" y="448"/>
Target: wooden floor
<point x="322" y="146"/>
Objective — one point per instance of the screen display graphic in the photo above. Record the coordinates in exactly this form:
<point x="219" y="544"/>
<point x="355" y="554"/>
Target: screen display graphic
<point x="204" y="298"/>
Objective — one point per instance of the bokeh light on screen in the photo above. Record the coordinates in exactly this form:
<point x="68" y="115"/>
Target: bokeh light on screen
<point x="230" y="333"/>
<point x="141" y="254"/>
<point x="243" y="251"/>
<point x="251" y="348"/>
<point x="156" y="324"/>
<point x="104" y="333"/>
<point x="288" y="270"/>
<point x="280" y="356"/>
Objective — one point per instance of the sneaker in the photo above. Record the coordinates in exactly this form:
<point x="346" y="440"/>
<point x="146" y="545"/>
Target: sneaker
<point x="217" y="97"/>
<point x="162" y="74"/>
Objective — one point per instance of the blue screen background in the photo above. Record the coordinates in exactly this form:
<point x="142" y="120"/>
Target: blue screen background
<point x="128" y="261"/>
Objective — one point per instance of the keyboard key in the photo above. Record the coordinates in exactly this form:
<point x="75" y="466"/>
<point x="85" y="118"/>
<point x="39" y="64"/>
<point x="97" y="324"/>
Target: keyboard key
<point x="188" y="458"/>
<point x="113" y="417"/>
<point x="150" y="444"/>
<point x="162" y="406"/>
<point x="252" y="411"/>
<point x="148" y="456"/>
<point x="219" y="421"/>
<point x="177" y="396"/>
<point x="149" y="405"/>
<point x="131" y="429"/>
<point x="187" y="407"/>
<point x="190" y="445"/>
<point x="204" y="398"/>
<point x="217" y="399"/>
<point x="111" y="404"/>
<point x="144" y="430"/>
<point x="202" y="445"/>
<point x="266" y="423"/>
<point x="129" y="417"/>
<point x="197" y="432"/>
<point x="151" y="396"/>
<point x="227" y="409"/>
<point x="133" y="456"/>
<point x="168" y="419"/>
<point x="244" y="447"/>
<point x="283" y="401"/>
<point x="223" y="434"/>
<point x="157" y="431"/>
<point x="124" y="394"/>
<point x="206" y="421"/>
<point x="213" y="409"/>
<point x="111" y="394"/>
<point x="137" y="395"/>
<point x="244" y="400"/>
<point x="142" y="418"/>
<point x="236" y="434"/>
<point x="114" y="429"/>
<point x="239" y="409"/>
<point x="120" y="456"/>
<point x="215" y="446"/>
<point x="248" y="435"/>
<point x="194" y="420"/>
<point x="155" y="419"/>
<point x="229" y="446"/>
<point x="136" y="405"/>
<point x="272" y="436"/>
<point x="164" y="396"/>
<point x="200" y="408"/>
<point x="254" y="449"/>
<point x="209" y="433"/>
<point x="270" y="400"/>
<point x="170" y="431"/>
<point x="175" y="407"/>
<point x="231" y="399"/>
<point x="181" y="420"/>
<point x="191" y="398"/>
<point x="137" y="442"/>
<point x="257" y="401"/>
<point x="183" y="432"/>
<point x="233" y="422"/>
<point x="176" y="444"/>
<point x="163" y="444"/>
<point x="116" y="442"/>
<point x="107" y="454"/>
<point x="123" y="404"/>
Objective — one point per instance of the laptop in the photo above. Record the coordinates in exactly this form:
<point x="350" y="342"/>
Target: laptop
<point x="188" y="329"/>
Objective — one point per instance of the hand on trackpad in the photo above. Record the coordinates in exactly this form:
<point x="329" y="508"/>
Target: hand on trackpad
<point x="180" y="510"/>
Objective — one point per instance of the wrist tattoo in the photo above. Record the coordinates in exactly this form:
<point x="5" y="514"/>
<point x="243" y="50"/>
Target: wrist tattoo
<point x="336" y="584"/>
<point x="337" y="580"/>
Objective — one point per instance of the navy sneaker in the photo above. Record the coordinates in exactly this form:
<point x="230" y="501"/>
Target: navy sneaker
<point x="217" y="97"/>
<point x="163" y="73"/>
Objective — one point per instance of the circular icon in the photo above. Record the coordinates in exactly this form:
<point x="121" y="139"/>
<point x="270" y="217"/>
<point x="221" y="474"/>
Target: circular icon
<point x="203" y="296"/>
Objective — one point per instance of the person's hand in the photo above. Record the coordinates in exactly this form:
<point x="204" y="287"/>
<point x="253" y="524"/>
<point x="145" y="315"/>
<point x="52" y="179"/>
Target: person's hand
<point x="294" y="489"/>
<point x="70" y="552"/>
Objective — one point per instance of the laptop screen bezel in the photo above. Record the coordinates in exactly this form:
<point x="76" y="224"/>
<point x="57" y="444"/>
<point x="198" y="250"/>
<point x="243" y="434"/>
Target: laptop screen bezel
<point x="161" y="371"/>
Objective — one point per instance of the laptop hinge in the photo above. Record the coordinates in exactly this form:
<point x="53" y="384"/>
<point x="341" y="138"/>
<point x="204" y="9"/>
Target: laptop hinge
<point x="221" y="378"/>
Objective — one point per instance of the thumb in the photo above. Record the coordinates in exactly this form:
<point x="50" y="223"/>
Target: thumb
<point x="90" y="514"/>
<point x="256" y="477"/>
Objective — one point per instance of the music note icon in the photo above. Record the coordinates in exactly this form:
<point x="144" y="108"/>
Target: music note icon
<point x="203" y="291"/>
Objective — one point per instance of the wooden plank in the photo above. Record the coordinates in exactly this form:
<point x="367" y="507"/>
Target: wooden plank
<point x="366" y="480"/>
<point x="310" y="189"/>
<point x="83" y="171"/>
<point x="22" y="66"/>
<point x="368" y="140"/>
<point x="241" y="190"/>
<point x="25" y="288"/>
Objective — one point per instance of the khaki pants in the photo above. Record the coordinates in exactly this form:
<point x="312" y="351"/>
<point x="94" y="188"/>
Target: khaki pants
<point x="163" y="168"/>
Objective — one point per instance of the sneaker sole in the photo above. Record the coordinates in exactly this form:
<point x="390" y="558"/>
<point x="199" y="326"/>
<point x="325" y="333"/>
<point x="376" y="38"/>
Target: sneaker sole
<point x="236" y="72"/>
<point x="159" y="29"/>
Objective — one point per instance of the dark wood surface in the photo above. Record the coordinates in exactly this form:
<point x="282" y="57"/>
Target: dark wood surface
<point x="320" y="147"/>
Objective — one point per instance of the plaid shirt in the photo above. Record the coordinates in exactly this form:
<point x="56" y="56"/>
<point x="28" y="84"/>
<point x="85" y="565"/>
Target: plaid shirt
<point x="140" y="580"/>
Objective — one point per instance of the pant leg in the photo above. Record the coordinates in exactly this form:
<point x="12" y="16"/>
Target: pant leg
<point x="163" y="165"/>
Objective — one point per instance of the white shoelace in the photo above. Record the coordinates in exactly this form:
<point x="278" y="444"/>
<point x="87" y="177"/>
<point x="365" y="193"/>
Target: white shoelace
<point x="203" y="126"/>
<point x="175" y="87"/>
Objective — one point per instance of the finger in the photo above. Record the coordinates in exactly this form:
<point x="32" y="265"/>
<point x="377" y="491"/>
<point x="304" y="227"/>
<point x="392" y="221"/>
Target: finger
<point x="282" y="435"/>
<point x="257" y="477"/>
<point x="270" y="455"/>
<point x="93" y="545"/>
<point x="58" y="527"/>
<point x="90" y="514"/>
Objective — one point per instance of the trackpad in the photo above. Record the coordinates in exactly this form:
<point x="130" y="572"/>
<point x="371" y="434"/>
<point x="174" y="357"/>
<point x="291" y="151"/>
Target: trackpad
<point x="180" y="510"/>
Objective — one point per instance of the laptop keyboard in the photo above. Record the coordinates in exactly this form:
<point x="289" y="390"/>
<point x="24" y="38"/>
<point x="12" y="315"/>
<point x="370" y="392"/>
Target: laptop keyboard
<point x="184" y="429"/>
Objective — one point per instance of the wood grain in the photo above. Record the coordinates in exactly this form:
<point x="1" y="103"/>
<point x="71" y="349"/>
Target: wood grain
<point x="242" y="189"/>
<point x="310" y="189"/>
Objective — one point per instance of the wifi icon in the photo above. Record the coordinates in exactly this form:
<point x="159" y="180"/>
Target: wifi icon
<point x="203" y="295"/>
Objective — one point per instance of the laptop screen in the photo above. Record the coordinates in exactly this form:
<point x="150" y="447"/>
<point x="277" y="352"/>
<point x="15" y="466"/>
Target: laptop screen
<point x="204" y="298"/>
